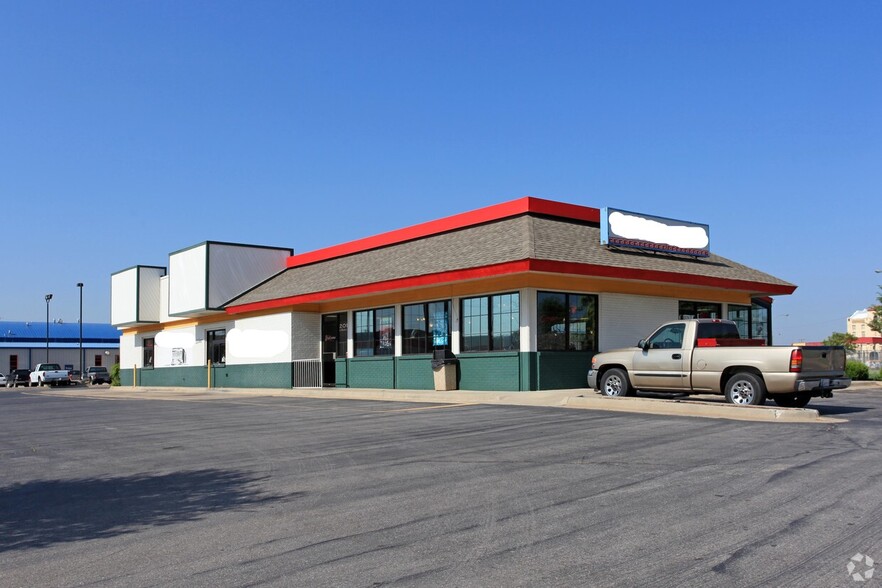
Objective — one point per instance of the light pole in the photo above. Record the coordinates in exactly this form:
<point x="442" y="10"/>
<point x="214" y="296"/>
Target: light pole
<point x="48" y="298"/>
<point x="80" y="286"/>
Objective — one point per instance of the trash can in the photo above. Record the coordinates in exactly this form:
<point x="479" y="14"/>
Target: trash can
<point x="444" y="370"/>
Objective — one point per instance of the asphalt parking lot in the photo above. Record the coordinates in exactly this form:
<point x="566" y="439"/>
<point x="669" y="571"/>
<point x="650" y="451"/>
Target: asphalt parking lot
<point x="284" y="491"/>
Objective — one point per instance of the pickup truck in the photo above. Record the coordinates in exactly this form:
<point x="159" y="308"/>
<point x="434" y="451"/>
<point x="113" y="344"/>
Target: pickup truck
<point x="707" y="356"/>
<point x="49" y="373"/>
<point x="96" y="375"/>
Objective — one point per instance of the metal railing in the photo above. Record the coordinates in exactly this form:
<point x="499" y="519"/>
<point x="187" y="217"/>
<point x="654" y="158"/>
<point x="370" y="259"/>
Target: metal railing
<point x="307" y="373"/>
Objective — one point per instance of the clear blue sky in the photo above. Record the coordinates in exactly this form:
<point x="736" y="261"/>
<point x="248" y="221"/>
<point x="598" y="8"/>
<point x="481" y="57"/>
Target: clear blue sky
<point x="130" y="129"/>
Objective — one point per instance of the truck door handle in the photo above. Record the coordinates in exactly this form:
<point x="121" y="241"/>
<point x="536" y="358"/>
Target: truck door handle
<point x="676" y="356"/>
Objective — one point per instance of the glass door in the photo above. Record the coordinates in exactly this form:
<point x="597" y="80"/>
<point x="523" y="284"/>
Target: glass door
<point x="333" y="345"/>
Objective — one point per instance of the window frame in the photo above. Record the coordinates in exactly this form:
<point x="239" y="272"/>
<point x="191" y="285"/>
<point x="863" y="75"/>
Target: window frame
<point x="489" y="332"/>
<point x="149" y="344"/>
<point x="341" y="343"/>
<point x="216" y="339"/>
<point x="379" y="336"/>
<point x="758" y="324"/>
<point x="694" y="311"/>
<point x="761" y="320"/>
<point x="743" y="323"/>
<point x="427" y="343"/>
<point x="567" y="322"/>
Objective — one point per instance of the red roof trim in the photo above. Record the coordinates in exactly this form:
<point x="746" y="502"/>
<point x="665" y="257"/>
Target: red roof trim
<point x="868" y="340"/>
<point x="525" y="205"/>
<point x="557" y="267"/>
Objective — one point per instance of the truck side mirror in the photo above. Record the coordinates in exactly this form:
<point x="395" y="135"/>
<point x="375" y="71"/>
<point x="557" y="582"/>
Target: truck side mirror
<point x="642" y="344"/>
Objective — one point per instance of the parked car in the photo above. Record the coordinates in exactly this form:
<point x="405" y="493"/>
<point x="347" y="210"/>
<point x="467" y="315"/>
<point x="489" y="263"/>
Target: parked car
<point x="18" y="378"/>
<point x="76" y="377"/>
<point x="49" y="374"/>
<point x="2" y="379"/>
<point x="707" y="356"/>
<point x="97" y="375"/>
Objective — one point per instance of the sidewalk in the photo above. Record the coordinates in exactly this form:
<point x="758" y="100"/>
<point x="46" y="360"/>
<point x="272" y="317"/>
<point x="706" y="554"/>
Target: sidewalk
<point x="706" y="406"/>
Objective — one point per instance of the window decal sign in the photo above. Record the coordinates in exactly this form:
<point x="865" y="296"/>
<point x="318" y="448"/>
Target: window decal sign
<point x="620" y="228"/>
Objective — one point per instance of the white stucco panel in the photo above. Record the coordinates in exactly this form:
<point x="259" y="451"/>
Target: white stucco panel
<point x="625" y="318"/>
<point x="263" y="339"/>
<point x="129" y="355"/>
<point x="124" y="297"/>
<point x="187" y="274"/>
<point x="178" y="347"/>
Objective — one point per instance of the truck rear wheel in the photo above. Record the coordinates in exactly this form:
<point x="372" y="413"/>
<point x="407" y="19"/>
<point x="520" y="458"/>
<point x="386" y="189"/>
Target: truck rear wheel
<point x="795" y="400"/>
<point x="746" y="389"/>
<point x="615" y="383"/>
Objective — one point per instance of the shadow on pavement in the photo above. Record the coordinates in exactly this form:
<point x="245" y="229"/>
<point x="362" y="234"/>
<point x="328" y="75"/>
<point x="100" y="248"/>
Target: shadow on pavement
<point x="817" y="404"/>
<point x="834" y="409"/>
<point x="45" y="512"/>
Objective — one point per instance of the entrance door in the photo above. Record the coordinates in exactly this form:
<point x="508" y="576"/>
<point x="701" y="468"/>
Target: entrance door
<point x="333" y="345"/>
<point x="660" y="366"/>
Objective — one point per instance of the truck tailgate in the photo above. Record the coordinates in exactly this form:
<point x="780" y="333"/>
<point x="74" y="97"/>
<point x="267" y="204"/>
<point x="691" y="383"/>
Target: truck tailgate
<point x="819" y="359"/>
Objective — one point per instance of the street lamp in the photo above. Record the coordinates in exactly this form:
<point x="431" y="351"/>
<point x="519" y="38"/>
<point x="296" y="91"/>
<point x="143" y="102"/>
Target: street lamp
<point x="80" y="286"/>
<point x="48" y="298"/>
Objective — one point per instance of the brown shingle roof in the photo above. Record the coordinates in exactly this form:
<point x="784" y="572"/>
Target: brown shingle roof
<point x="579" y="243"/>
<point x="508" y="240"/>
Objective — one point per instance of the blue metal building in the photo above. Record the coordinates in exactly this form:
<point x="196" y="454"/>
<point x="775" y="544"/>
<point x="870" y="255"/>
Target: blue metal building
<point x="25" y="344"/>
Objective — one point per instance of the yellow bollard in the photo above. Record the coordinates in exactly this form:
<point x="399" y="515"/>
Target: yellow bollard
<point x="134" y="375"/>
<point x="209" y="373"/>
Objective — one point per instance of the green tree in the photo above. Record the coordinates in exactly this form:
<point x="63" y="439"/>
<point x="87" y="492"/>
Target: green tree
<point x="843" y="339"/>
<point x="876" y="323"/>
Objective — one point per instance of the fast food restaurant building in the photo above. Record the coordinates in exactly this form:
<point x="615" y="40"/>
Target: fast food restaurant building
<point x="521" y="293"/>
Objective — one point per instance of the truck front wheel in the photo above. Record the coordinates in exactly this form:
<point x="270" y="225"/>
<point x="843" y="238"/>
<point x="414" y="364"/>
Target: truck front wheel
<point x="746" y="389"/>
<point x="615" y="383"/>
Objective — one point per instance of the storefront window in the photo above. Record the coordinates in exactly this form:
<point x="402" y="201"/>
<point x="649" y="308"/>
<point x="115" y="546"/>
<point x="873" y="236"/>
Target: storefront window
<point x="149" y="347"/>
<point x="753" y="321"/>
<point x="567" y="322"/>
<point x="426" y="327"/>
<point x="216" y="342"/>
<point x="491" y="323"/>
<point x="694" y="310"/>
<point x="740" y="315"/>
<point x="375" y="332"/>
<point x="759" y="322"/>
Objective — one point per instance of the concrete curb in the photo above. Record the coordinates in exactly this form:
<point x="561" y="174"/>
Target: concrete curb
<point x="574" y="399"/>
<point x="566" y="399"/>
<point x="695" y="408"/>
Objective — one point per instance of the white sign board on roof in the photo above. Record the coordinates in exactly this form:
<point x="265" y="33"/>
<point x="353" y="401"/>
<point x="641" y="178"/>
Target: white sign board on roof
<point x="620" y="228"/>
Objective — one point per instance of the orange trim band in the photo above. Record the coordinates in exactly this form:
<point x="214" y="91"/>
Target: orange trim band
<point x="584" y="269"/>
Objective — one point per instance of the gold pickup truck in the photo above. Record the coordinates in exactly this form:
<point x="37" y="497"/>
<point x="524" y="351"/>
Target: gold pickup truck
<point x="707" y="356"/>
